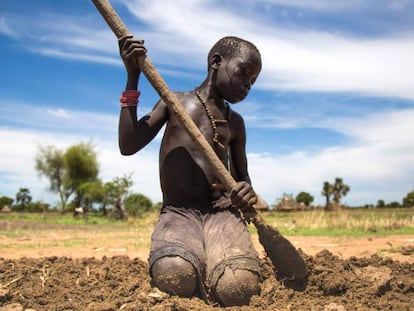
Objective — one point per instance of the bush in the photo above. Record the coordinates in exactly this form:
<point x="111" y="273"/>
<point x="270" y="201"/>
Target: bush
<point x="304" y="198"/>
<point x="5" y="201"/>
<point x="408" y="201"/>
<point x="37" y="207"/>
<point x="394" y="205"/>
<point x="137" y="204"/>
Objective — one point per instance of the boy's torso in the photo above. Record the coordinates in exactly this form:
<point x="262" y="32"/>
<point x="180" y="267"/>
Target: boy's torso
<point x="186" y="177"/>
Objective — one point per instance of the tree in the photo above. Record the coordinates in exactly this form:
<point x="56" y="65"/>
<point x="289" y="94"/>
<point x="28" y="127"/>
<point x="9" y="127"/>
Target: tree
<point x="23" y="199"/>
<point x="49" y="163"/>
<point x="137" y="204"/>
<point x="305" y="198"/>
<point x="327" y="191"/>
<point x="337" y="190"/>
<point x="408" y="200"/>
<point x="6" y="201"/>
<point x="380" y="203"/>
<point x="37" y="207"/>
<point x="81" y="167"/>
<point x="393" y="204"/>
<point x="117" y="189"/>
<point x="67" y="170"/>
<point x="110" y="195"/>
<point x="93" y="192"/>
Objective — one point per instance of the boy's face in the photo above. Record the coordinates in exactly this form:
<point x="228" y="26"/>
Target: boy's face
<point x="236" y="75"/>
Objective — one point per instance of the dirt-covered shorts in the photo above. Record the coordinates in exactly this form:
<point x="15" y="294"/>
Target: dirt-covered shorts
<point x="211" y="239"/>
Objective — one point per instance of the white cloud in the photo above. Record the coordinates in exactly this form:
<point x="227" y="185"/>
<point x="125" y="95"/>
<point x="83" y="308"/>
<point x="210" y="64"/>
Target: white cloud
<point x="323" y="62"/>
<point x="339" y="5"/>
<point x="113" y="61"/>
<point x="321" y="5"/>
<point x="377" y="164"/>
<point x="297" y="58"/>
<point x="58" y="119"/>
<point x="63" y="128"/>
<point x="6" y="29"/>
<point x="60" y="113"/>
<point x="17" y="165"/>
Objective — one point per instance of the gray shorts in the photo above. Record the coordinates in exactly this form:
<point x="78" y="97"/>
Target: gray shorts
<point x="211" y="239"/>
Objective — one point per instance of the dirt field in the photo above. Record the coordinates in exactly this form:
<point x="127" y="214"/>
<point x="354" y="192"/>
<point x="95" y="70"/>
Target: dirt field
<point x="52" y="267"/>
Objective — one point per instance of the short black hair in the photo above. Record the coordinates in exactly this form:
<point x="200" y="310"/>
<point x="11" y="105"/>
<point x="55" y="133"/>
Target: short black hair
<point x="231" y="46"/>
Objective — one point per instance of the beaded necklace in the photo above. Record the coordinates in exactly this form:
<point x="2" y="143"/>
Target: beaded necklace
<point x="214" y="121"/>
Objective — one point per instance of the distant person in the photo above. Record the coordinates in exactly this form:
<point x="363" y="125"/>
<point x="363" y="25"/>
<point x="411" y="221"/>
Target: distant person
<point x="78" y="211"/>
<point x="200" y="245"/>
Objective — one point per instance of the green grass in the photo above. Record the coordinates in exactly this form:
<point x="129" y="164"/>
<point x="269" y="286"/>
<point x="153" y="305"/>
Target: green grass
<point x="15" y="234"/>
<point x="62" y="219"/>
<point x="69" y="243"/>
<point x="347" y="222"/>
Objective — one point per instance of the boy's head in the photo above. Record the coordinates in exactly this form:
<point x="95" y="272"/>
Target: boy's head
<point x="228" y="47"/>
<point x="233" y="65"/>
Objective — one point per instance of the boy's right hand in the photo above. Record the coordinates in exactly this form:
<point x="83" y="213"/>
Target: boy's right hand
<point x="130" y="50"/>
<point x="243" y="196"/>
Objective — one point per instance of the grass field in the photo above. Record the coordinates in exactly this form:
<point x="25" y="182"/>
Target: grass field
<point x="347" y="222"/>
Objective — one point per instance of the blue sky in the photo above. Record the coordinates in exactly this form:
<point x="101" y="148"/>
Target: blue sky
<point x="335" y="97"/>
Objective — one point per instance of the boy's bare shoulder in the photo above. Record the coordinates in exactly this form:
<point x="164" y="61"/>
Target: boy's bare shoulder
<point x="236" y="118"/>
<point x="184" y="95"/>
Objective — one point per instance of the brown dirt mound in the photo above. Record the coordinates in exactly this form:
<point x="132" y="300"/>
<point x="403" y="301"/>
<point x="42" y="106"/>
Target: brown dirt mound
<point x="121" y="283"/>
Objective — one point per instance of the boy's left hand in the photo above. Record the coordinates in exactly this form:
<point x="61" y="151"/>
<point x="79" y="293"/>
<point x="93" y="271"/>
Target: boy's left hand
<point x="243" y="196"/>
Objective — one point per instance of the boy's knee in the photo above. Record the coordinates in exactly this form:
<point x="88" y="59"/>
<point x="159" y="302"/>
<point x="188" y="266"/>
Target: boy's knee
<point x="175" y="276"/>
<point x="236" y="287"/>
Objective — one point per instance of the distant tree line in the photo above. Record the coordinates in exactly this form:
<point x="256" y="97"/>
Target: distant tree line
<point x="333" y="193"/>
<point x="73" y="175"/>
<point x="22" y="203"/>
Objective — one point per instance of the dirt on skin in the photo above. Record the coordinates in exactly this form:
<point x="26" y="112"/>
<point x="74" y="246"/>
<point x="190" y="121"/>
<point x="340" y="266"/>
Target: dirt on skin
<point x="122" y="283"/>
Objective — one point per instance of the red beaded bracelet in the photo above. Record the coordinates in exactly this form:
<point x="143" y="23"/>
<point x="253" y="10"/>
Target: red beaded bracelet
<point x="129" y="98"/>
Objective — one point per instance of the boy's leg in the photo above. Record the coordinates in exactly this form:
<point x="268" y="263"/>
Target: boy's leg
<point x="232" y="262"/>
<point x="176" y="260"/>
<point x="174" y="275"/>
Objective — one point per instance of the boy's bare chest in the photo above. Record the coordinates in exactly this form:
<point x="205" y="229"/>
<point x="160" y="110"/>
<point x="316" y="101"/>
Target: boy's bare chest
<point x="213" y="122"/>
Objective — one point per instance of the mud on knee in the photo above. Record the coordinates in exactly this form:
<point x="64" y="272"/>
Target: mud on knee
<point x="175" y="276"/>
<point x="235" y="287"/>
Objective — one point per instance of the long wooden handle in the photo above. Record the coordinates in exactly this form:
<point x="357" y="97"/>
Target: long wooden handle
<point x="174" y="105"/>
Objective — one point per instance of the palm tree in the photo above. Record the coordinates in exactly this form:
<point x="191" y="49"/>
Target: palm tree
<point x="339" y="190"/>
<point x="327" y="191"/>
<point x="23" y="198"/>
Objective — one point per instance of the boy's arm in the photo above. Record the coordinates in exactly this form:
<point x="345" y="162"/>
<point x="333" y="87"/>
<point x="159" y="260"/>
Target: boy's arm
<point x="242" y="195"/>
<point x="238" y="158"/>
<point x="132" y="134"/>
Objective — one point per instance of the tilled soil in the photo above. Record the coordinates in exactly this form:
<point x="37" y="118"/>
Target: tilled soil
<point x="122" y="283"/>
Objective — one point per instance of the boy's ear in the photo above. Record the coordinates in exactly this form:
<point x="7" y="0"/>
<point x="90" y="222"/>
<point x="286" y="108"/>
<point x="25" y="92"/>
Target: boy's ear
<point x="215" y="61"/>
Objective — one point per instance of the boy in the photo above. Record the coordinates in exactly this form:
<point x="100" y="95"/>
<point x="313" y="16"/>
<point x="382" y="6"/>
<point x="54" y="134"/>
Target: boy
<point x="200" y="245"/>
